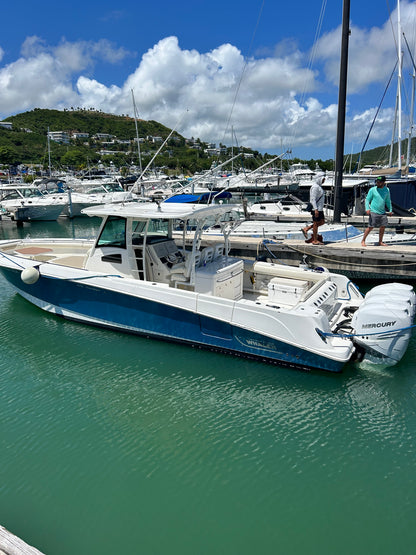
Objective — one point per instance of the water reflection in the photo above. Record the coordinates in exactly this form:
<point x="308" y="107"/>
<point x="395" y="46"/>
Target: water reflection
<point x="75" y="228"/>
<point x="90" y="415"/>
<point x="120" y="429"/>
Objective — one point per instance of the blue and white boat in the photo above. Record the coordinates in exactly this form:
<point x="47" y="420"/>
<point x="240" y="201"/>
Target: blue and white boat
<point x="142" y="275"/>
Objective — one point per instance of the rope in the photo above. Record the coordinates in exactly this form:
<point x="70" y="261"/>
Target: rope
<point x="331" y="259"/>
<point x="37" y="266"/>
<point x="85" y="277"/>
<point x="357" y="165"/>
<point x="11" y="260"/>
<point x="271" y="253"/>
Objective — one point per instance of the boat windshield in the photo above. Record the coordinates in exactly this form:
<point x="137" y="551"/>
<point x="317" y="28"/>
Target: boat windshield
<point x="113" y="233"/>
<point x="21" y="193"/>
<point x="11" y="195"/>
<point x="155" y="230"/>
<point x="113" y="188"/>
<point x="29" y="193"/>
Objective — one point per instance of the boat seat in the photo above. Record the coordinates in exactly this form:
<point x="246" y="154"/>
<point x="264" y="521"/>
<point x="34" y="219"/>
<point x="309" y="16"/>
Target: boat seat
<point x="75" y="261"/>
<point x="31" y="252"/>
<point x="219" y="250"/>
<point x="207" y="255"/>
<point x="164" y="260"/>
<point x="182" y="274"/>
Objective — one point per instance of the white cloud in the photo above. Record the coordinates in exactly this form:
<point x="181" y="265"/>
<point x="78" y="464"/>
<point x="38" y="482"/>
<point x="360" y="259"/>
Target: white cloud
<point x="372" y="52"/>
<point x="34" y="82"/>
<point x="169" y="81"/>
<point x="43" y="76"/>
<point x="270" y="101"/>
<point x="33" y="46"/>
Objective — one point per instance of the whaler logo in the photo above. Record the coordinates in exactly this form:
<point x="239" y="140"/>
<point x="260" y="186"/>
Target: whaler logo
<point x="266" y="345"/>
<point x="260" y="344"/>
<point x="379" y="325"/>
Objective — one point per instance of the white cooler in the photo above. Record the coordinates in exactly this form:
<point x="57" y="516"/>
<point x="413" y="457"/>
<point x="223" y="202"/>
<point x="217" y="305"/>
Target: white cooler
<point x="286" y="291"/>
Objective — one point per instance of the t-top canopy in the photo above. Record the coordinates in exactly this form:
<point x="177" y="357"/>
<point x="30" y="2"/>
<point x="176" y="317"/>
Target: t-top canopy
<point x="162" y="211"/>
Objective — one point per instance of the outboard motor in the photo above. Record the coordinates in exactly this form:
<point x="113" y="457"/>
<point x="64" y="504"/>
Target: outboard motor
<point x="402" y="290"/>
<point x="382" y="323"/>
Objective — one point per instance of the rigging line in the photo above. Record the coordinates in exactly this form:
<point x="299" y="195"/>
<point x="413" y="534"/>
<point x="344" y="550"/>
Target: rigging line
<point x="243" y="71"/>
<point x="408" y="49"/>
<point x="399" y="84"/>
<point x="392" y="27"/>
<point x="160" y="148"/>
<point x="414" y="70"/>
<point x="410" y="53"/>
<point x="312" y="58"/>
<point x="314" y="50"/>
<point x="374" y="119"/>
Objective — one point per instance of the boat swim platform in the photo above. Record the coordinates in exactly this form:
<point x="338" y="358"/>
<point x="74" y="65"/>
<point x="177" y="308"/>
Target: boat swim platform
<point x="395" y="262"/>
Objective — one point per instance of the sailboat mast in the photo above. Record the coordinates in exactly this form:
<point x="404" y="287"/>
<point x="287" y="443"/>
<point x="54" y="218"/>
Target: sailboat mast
<point x="232" y="150"/>
<point x="342" y="98"/>
<point x="393" y="133"/>
<point x="137" y="132"/>
<point x="49" y="154"/>
<point x="399" y="87"/>
<point x="409" y="136"/>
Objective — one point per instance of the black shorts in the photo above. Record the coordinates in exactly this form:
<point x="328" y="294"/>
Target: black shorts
<point x="317" y="218"/>
<point x="377" y="220"/>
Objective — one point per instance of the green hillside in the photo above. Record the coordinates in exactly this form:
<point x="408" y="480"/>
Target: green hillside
<point x="86" y="121"/>
<point x="26" y="142"/>
<point x="379" y="155"/>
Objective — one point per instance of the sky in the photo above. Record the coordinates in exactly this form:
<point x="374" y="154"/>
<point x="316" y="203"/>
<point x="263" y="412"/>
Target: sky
<point x="257" y="73"/>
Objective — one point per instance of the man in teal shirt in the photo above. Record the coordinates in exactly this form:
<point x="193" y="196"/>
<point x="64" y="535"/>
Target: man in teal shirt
<point x="376" y="202"/>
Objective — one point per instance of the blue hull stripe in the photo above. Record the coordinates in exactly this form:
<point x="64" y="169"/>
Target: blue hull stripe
<point x="147" y="317"/>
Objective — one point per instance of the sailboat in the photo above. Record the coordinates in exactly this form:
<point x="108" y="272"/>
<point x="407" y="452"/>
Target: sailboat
<point x="401" y="182"/>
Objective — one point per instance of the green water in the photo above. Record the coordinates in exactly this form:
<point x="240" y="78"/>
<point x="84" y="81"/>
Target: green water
<point x="117" y="444"/>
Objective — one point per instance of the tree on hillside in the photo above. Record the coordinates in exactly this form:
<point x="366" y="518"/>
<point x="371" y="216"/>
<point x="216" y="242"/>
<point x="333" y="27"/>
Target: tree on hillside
<point x="8" y="156"/>
<point x="74" y="159"/>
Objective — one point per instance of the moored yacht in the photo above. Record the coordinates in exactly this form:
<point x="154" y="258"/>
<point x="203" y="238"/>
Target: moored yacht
<point x="26" y="203"/>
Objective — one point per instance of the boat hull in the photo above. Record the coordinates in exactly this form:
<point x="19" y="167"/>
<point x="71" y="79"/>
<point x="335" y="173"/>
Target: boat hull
<point x="78" y="299"/>
<point x="37" y="213"/>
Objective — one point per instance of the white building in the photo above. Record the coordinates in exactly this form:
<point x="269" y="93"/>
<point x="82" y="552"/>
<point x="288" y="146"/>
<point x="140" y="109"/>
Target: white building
<point x="59" y="136"/>
<point x="103" y="136"/>
<point x="77" y="135"/>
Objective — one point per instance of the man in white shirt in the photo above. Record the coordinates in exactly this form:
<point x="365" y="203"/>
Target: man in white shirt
<point x="317" y="200"/>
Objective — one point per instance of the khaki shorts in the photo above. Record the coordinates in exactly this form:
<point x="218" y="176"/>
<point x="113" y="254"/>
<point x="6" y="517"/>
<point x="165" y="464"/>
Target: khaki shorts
<point x="377" y="220"/>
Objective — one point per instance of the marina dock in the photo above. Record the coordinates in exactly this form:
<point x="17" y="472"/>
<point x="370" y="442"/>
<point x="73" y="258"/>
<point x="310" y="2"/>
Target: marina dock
<point x="395" y="262"/>
<point x="353" y="260"/>
<point x="360" y="221"/>
<point x="12" y="545"/>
